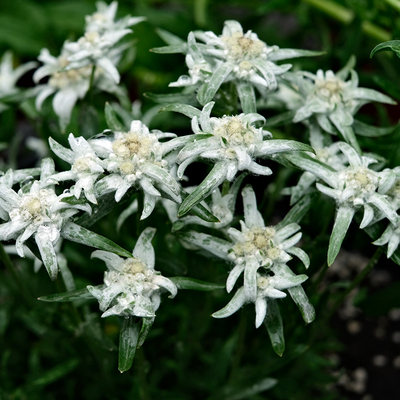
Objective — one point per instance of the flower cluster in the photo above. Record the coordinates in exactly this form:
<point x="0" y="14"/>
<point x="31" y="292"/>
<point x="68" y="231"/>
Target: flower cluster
<point x="36" y="210"/>
<point x="118" y="162"/>
<point x="131" y="286"/>
<point x="89" y="61"/>
<point x="258" y="252"/>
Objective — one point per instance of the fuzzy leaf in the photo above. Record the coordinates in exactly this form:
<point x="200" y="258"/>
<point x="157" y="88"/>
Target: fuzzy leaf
<point x="184" y="109"/>
<point x="393" y="45"/>
<point x="79" y="294"/>
<point x="273" y="323"/>
<point x="299" y="296"/>
<point x="343" y="219"/>
<point x="185" y="283"/>
<point x="79" y="234"/>
<point x="128" y="341"/>
<point x="216" y="176"/>
<point x="247" y="97"/>
<point x="171" y="49"/>
<point x="112" y="120"/>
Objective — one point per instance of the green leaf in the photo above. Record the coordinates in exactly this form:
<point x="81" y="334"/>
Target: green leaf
<point x="247" y="97"/>
<point x="79" y="234"/>
<point x="208" y="90"/>
<point x="273" y="323"/>
<point x="79" y="294"/>
<point x="249" y="392"/>
<point x="299" y="296"/>
<point x="167" y="98"/>
<point x="112" y="120"/>
<point x="147" y="323"/>
<point x="171" y="49"/>
<point x="297" y="212"/>
<point x="393" y="45"/>
<point x="169" y="37"/>
<point x="184" y="109"/>
<point x="216" y="176"/>
<point x="128" y="341"/>
<point x="185" y="283"/>
<point x="343" y="219"/>
<point x="200" y="211"/>
<point x="362" y="129"/>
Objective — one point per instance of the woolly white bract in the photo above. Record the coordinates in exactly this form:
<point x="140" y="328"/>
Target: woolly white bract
<point x="131" y="285"/>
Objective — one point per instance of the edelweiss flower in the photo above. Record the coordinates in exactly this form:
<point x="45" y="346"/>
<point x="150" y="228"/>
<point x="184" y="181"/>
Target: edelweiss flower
<point x="9" y="76"/>
<point x="103" y="20"/>
<point x="37" y="210"/>
<point x="391" y="237"/>
<point x="136" y="158"/>
<point x="86" y="167"/>
<point x="331" y="100"/>
<point x="232" y="142"/>
<point x="234" y="56"/>
<point x="260" y="253"/>
<point x="131" y="286"/>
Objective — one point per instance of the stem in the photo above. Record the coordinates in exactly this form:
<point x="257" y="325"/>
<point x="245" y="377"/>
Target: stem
<point x="200" y="12"/>
<point x="394" y="3"/>
<point x="91" y="81"/>
<point x="336" y="11"/>
<point x="357" y="280"/>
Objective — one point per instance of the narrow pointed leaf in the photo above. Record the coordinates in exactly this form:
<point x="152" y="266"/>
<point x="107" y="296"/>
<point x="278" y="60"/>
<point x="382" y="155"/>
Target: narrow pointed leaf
<point x="247" y="97"/>
<point x="273" y="323"/>
<point x="112" y="120"/>
<point x="185" y="283"/>
<point x="343" y="219"/>
<point x="80" y="294"/>
<point x="216" y="176"/>
<point x="184" y="109"/>
<point x="128" y="341"/>
<point x="79" y="234"/>
<point x="299" y="296"/>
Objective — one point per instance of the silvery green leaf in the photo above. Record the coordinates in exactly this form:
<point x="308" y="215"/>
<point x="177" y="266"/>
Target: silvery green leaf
<point x="79" y="234"/>
<point x="144" y="250"/>
<point x="184" y="283"/>
<point x="344" y="72"/>
<point x="247" y="97"/>
<point x="362" y="129"/>
<point x="384" y="205"/>
<point x="372" y="95"/>
<point x="74" y="295"/>
<point x="299" y="296"/>
<point x="169" y="37"/>
<point x="312" y="165"/>
<point x="171" y="49"/>
<point x="367" y="217"/>
<point x="272" y="146"/>
<point x="216" y="176"/>
<point x="147" y="323"/>
<point x="128" y="341"/>
<point x="273" y="323"/>
<point x="233" y="276"/>
<point x="344" y="216"/>
<point x="149" y="202"/>
<point x="181" y="98"/>
<point x="252" y="216"/>
<point x="250" y="278"/>
<point x="234" y="304"/>
<point x="21" y="174"/>
<point x="348" y="135"/>
<point x="61" y="151"/>
<point x="218" y="247"/>
<point x="184" y="109"/>
<point x="393" y="45"/>
<point x="283" y="54"/>
<point x="300" y="254"/>
<point x="112" y="120"/>
<point x="208" y="90"/>
<point x="47" y="253"/>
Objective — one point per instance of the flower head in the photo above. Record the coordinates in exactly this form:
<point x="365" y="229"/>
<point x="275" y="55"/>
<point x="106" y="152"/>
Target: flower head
<point x="36" y="210"/>
<point x="232" y="143"/>
<point x="258" y="252"/>
<point x="131" y="286"/>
